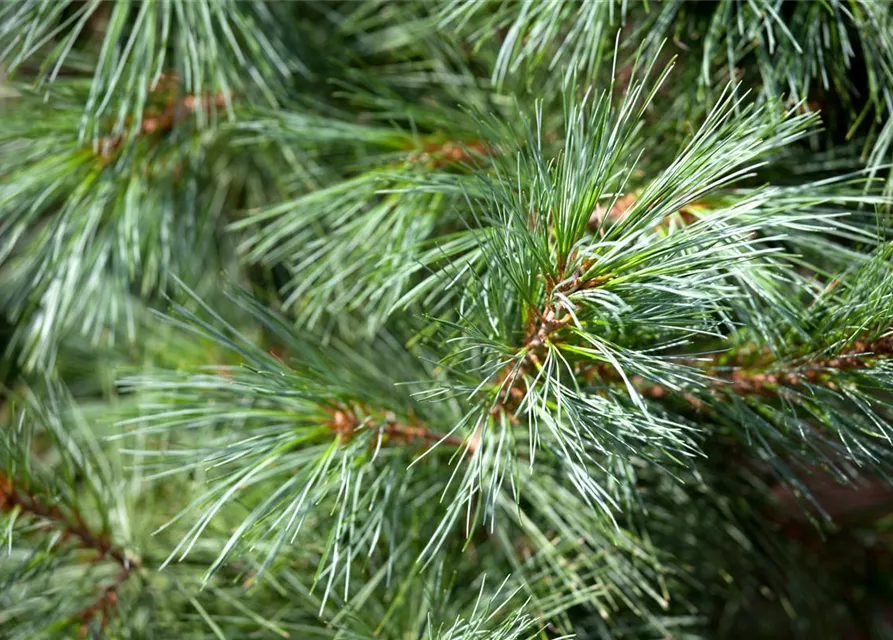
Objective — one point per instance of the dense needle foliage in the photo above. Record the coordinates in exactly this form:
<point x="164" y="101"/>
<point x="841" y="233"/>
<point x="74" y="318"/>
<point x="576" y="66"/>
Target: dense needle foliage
<point x="446" y="319"/>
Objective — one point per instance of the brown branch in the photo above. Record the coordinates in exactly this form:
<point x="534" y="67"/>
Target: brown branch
<point x="541" y="326"/>
<point x="450" y="153"/>
<point x="346" y="423"/>
<point x="756" y="377"/>
<point x="860" y="355"/>
<point x="107" y="599"/>
<point x="175" y="111"/>
<point x="73" y="527"/>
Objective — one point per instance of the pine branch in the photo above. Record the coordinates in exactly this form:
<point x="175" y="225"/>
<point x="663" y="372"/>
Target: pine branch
<point x="576" y="34"/>
<point x="440" y="155"/>
<point x="346" y="422"/>
<point x="580" y="324"/>
<point x="72" y="526"/>
<point x="214" y="46"/>
<point x="175" y="111"/>
<point x="765" y="376"/>
<point x="541" y="325"/>
<point x="817" y="370"/>
<point x="99" y="220"/>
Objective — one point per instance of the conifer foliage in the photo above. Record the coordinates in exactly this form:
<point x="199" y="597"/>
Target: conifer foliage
<point x="446" y="319"/>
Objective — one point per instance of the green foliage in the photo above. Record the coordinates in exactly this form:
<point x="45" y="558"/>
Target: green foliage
<point x="207" y="44"/>
<point x="454" y="320"/>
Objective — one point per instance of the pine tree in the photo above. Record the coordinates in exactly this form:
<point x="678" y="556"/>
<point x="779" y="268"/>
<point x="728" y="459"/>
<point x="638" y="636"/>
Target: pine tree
<point x="446" y="319"/>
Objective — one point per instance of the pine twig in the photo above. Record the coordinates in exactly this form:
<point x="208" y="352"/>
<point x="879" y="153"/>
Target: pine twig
<point x="542" y="324"/>
<point x="73" y="527"/>
<point x="154" y="123"/>
<point x="346" y="424"/>
<point x="450" y="153"/>
<point x="760" y="380"/>
<point x="859" y="356"/>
